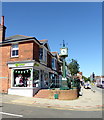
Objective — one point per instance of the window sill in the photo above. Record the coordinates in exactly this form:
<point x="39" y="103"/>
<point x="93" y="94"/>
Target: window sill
<point x="14" y="57"/>
<point x="21" y="87"/>
<point x="42" y="61"/>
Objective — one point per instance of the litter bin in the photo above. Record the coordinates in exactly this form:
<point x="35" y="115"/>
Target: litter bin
<point x="56" y="96"/>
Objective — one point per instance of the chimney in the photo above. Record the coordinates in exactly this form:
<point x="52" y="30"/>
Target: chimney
<point x="2" y="20"/>
<point x="2" y="30"/>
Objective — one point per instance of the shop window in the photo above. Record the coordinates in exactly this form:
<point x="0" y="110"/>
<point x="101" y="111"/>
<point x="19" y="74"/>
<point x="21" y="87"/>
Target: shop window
<point x="36" y="81"/>
<point x="22" y="78"/>
<point x="46" y="80"/>
<point x="14" y="50"/>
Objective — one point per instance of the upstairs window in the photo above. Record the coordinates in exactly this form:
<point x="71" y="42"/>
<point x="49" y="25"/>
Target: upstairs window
<point x="53" y="63"/>
<point x="14" y="50"/>
<point x="41" y="53"/>
<point x="45" y="55"/>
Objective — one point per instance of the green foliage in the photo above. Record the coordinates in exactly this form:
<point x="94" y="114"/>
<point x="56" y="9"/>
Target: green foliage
<point x="85" y="78"/>
<point x="73" y="67"/>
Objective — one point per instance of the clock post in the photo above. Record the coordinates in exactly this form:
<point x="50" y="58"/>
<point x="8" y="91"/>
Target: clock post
<point x="63" y="55"/>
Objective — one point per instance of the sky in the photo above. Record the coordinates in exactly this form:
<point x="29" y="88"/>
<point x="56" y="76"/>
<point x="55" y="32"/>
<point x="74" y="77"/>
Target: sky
<point x="79" y="24"/>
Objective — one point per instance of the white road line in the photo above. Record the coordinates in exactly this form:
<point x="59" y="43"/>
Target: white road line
<point x="11" y="114"/>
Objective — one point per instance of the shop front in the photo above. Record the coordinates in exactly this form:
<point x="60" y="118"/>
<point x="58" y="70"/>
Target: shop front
<point x="27" y="77"/>
<point x="54" y="79"/>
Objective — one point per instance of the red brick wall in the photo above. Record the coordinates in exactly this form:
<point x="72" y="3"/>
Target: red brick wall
<point x="25" y="53"/>
<point x="36" y="52"/>
<point x="4" y="68"/>
<point x="49" y="60"/>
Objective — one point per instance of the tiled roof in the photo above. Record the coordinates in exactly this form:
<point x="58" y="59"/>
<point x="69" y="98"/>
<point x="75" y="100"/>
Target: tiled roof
<point x="42" y="41"/>
<point x="17" y="37"/>
<point x="54" y="53"/>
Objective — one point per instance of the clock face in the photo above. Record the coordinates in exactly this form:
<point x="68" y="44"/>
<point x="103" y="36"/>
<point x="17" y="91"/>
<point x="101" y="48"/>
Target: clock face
<point x="64" y="51"/>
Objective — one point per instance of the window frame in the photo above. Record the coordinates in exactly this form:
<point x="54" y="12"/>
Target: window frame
<point x="42" y="53"/>
<point x="12" y="77"/>
<point x="14" y="50"/>
<point x="44" y="57"/>
<point x="53" y="63"/>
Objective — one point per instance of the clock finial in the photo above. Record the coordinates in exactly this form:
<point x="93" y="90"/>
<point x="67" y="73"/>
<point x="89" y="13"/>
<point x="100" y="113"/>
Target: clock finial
<point x="63" y="43"/>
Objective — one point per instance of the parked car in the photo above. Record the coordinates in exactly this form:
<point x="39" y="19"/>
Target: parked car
<point x="100" y="83"/>
<point x="87" y="85"/>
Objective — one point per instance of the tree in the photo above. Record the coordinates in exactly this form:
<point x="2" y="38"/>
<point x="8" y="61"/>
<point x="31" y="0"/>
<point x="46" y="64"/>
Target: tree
<point x="86" y="79"/>
<point x="73" y="67"/>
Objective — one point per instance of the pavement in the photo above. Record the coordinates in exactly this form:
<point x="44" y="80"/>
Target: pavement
<point x="89" y="101"/>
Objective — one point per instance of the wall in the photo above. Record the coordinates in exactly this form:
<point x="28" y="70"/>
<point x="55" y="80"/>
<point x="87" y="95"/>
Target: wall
<point x="25" y="53"/>
<point x="64" y="94"/>
<point x="36" y="51"/>
<point x="49" y="60"/>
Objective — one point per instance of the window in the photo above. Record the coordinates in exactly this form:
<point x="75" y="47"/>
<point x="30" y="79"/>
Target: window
<point x="53" y="64"/>
<point x="14" y="50"/>
<point x="41" y="53"/>
<point x="46" y="80"/>
<point x="36" y="81"/>
<point x="22" y="78"/>
<point x="45" y="55"/>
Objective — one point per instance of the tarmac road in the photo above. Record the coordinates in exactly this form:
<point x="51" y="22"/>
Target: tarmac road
<point x="89" y="105"/>
<point x="23" y="111"/>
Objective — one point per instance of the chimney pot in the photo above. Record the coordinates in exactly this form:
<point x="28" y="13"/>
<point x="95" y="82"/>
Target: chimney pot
<point x="2" y="20"/>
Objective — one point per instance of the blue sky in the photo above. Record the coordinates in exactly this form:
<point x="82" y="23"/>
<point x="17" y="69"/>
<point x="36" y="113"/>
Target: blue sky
<point x="78" y="23"/>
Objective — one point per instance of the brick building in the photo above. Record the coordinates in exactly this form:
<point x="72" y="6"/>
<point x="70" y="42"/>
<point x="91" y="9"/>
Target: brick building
<point x="26" y="64"/>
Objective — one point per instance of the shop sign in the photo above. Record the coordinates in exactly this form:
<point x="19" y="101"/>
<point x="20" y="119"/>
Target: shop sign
<point x="19" y="64"/>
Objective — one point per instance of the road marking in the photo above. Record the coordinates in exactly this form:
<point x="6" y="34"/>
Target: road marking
<point x="11" y="114"/>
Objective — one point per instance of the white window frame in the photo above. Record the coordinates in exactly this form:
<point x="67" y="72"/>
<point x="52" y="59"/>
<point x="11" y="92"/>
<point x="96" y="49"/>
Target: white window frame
<point x="44" y="60"/>
<point x="12" y="77"/>
<point x="39" y="76"/>
<point x="45" y="55"/>
<point x="14" y="49"/>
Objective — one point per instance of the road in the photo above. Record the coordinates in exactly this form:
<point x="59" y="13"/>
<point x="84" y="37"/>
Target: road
<point x="100" y="90"/>
<point x="23" y="111"/>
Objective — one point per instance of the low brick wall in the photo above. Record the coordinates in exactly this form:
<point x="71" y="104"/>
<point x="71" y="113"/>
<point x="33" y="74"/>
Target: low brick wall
<point x="64" y="94"/>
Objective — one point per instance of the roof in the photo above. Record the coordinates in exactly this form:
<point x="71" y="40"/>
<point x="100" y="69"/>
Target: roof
<point x="99" y="76"/>
<point x="22" y="38"/>
<point x="43" y="41"/>
<point x="54" y="52"/>
<point x="17" y="37"/>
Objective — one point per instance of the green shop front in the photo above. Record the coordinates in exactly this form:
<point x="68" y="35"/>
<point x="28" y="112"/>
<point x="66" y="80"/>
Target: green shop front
<point x="27" y="77"/>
